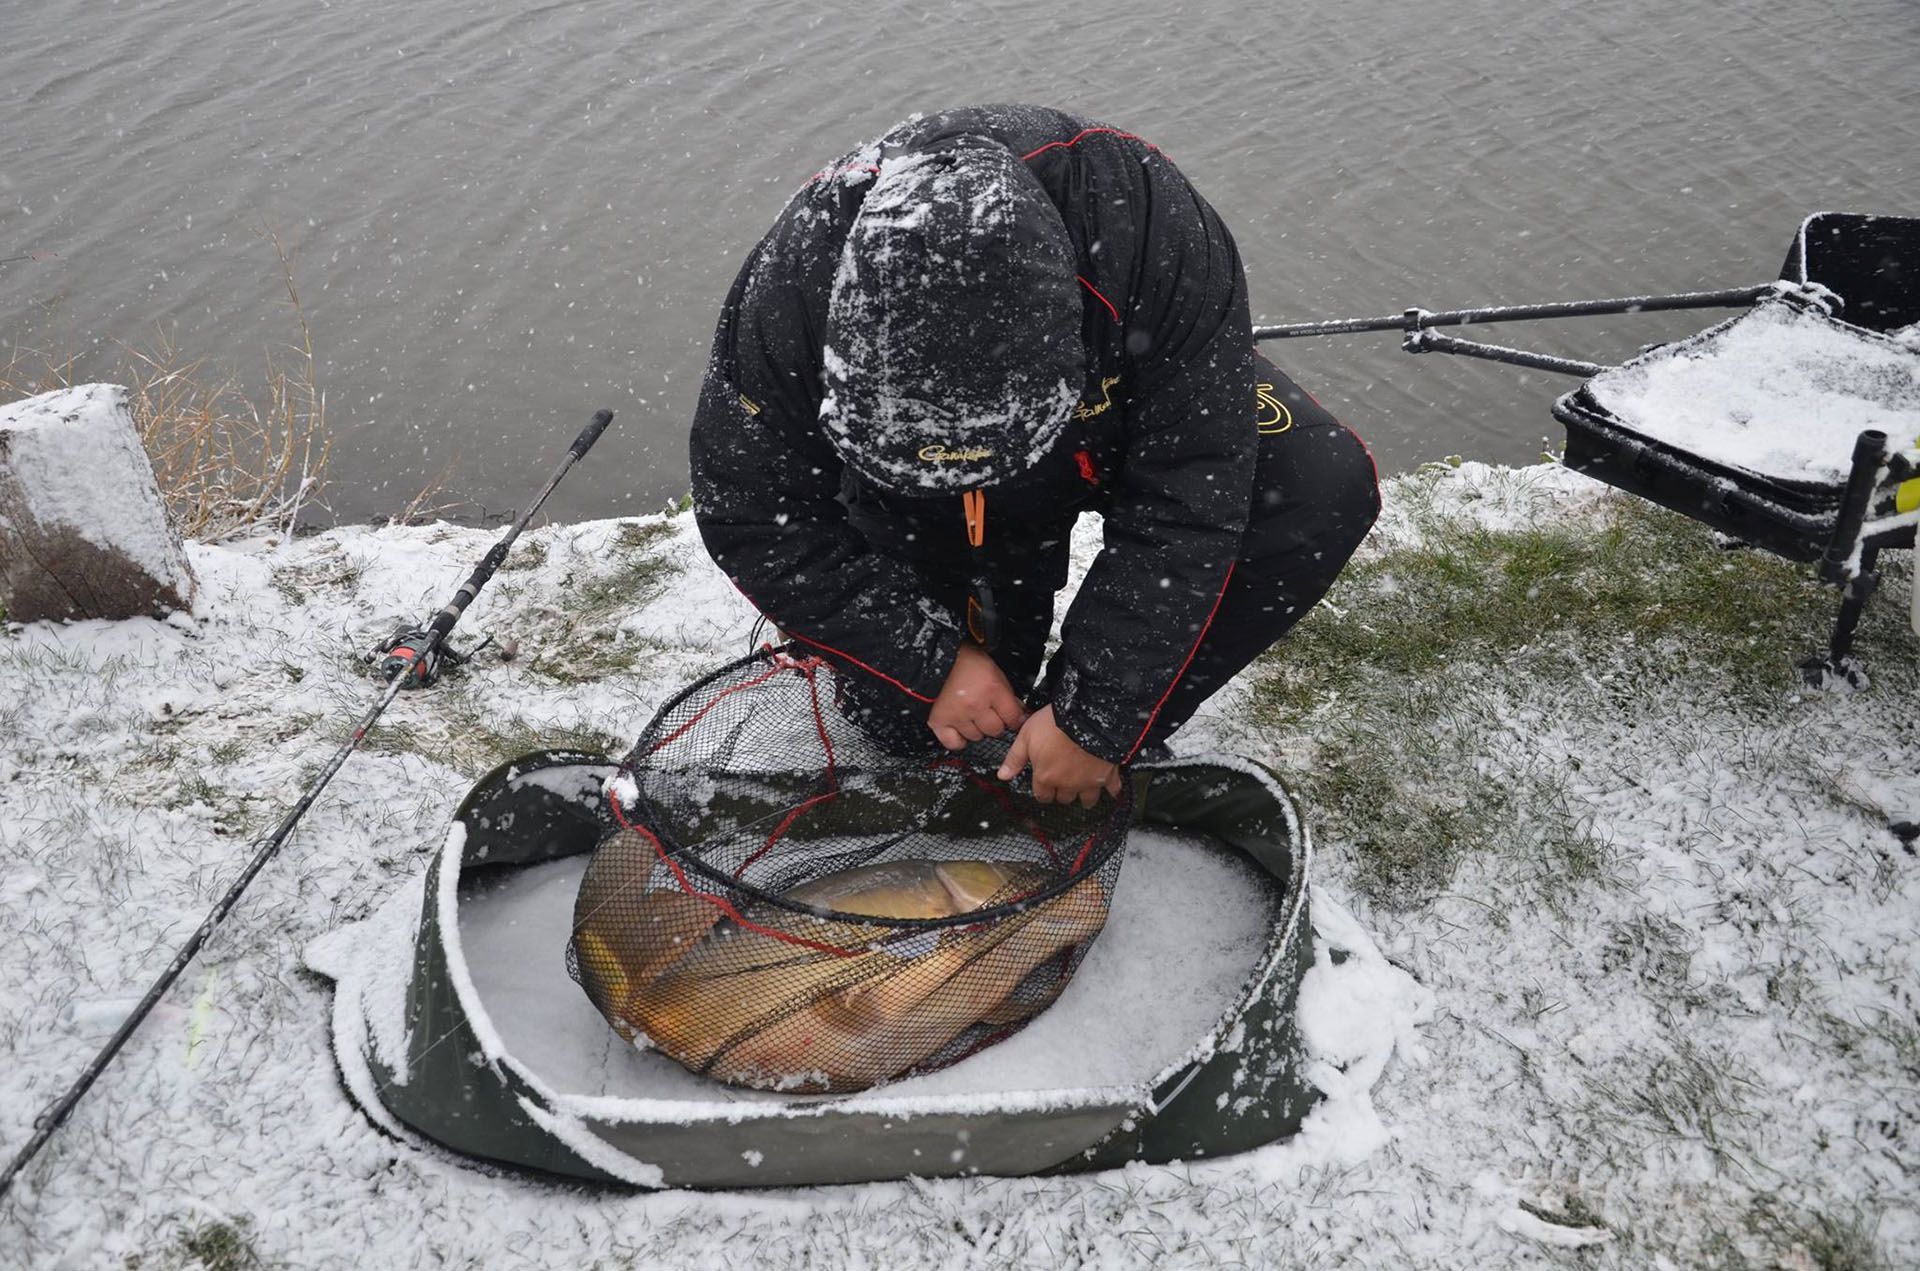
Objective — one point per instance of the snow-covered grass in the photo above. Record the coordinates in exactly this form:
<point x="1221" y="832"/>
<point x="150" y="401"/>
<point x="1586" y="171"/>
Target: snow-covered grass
<point x="1405" y="678"/>
<point x="1557" y="746"/>
<point x="1558" y="762"/>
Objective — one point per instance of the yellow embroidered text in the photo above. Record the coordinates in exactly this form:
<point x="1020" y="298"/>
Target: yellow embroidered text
<point x="1082" y="410"/>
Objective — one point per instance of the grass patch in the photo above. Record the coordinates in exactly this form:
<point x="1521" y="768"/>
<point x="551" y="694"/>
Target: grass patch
<point x="1398" y="745"/>
<point x="230" y="751"/>
<point x="214" y="1246"/>
<point x="161" y="755"/>
<point x="502" y="739"/>
<point x="1636" y="576"/>
<point x="234" y="816"/>
<point x="465" y="738"/>
<point x="1403" y="774"/>
<point x="584" y="644"/>
<point x="1782" y="1235"/>
<point x="289" y="590"/>
<point x="1656" y="951"/>
<point x="1684" y="1093"/>
<point x="531" y="555"/>
<point x="590" y="656"/>
<point x="297" y="583"/>
<point x="640" y="570"/>
<point x="1896" y="1037"/>
<point x="193" y="789"/>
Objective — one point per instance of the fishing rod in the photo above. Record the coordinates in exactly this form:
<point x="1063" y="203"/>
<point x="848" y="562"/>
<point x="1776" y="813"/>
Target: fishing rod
<point x="1422" y="319"/>
<point x="1421" y="337"/>
<point x="400" y="674"/>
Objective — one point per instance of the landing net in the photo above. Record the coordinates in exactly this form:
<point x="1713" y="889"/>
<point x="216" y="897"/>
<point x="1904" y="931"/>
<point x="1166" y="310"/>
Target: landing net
<point x="783" y="902"/>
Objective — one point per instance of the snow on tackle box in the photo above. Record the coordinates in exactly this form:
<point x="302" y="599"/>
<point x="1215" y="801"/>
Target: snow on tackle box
<point x="1752" y="478"/>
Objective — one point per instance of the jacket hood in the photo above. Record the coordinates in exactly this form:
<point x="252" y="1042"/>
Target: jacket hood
<point x="953" y="354"/>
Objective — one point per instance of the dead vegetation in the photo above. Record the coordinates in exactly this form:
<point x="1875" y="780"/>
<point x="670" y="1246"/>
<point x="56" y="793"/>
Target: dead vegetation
<point x="230" y="459"/>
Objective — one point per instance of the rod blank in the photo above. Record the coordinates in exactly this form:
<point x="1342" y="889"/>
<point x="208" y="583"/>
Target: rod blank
<point x="1422" y="319"/>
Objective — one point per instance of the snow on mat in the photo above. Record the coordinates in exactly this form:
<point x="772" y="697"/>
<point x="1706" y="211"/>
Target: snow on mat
<point x="1188" y="926"/>
<point x="1780" y="391"/>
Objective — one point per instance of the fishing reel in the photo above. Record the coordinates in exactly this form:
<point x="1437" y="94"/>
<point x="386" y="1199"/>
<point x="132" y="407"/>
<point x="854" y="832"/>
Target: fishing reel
<point x="410" y="652"/>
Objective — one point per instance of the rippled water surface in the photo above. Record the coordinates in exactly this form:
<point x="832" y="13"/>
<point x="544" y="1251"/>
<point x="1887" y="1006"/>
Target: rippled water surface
<point x="503" y="217"/>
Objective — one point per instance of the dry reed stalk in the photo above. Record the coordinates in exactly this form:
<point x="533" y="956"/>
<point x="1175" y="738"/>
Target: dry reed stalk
<point x="227" y="464"/>
<point x="426" y="505"/>
<point x="31" y="371"/>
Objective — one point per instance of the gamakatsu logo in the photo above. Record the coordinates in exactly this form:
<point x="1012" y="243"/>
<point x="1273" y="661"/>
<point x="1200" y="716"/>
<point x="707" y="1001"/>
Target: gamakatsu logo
<point x="940" y="454"/>
<point x="1087" y="410"/>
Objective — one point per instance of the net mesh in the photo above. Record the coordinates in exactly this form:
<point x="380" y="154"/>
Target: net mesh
<point x="784" y="903"/>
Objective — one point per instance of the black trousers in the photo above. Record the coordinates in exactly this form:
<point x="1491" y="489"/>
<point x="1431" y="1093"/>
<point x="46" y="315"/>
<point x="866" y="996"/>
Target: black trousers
<point x="1315" y="496"/>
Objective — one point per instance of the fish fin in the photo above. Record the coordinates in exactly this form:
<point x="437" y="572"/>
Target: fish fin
<point x="972" y="885"/>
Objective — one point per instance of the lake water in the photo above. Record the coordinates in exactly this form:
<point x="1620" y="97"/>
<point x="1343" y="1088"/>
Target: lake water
<point x="502" y="217"/>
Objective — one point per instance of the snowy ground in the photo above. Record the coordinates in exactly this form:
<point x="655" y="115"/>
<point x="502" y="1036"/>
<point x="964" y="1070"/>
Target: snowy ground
<point x="1677" y="1030"/>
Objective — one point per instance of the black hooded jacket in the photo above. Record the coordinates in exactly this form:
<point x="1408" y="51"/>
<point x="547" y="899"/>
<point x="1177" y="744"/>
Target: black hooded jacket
<point x="1162" y="441"/>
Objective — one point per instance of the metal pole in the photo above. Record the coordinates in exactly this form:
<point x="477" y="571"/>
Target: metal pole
<point x="57" y="1113"/>
<point x="1837" y="564"/>
<point x="1434" y="342"/>
<point x="1421" y="319"/>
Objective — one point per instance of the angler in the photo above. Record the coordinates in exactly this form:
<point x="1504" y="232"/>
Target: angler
<point x="953" y="342"/>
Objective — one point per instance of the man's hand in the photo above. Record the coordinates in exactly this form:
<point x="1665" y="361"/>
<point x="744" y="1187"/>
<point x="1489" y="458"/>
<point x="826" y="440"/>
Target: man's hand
<point x="975" y="702"/>
<point x="1062" y="772"/>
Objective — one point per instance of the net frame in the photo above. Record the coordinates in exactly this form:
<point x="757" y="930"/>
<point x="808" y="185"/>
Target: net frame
<point x="647" y="819"/>
<point x="967" y="906"/>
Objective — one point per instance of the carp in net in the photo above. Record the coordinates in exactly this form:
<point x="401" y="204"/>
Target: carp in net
<point x="781" y="902"/>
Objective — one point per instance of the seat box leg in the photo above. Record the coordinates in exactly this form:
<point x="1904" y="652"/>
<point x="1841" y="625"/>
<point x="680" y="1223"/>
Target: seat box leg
<point x="1838" y="665"/>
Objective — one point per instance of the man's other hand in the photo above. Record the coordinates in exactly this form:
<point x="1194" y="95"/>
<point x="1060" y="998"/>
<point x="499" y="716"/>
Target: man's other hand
<point x="975" y="702"/>
<point x="1062" y="772"/>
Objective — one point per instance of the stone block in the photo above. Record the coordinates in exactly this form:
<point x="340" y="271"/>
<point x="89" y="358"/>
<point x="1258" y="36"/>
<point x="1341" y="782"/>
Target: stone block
<point x="83" y="529"/>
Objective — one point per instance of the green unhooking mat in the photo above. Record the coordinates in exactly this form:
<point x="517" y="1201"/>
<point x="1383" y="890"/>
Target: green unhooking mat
<point x="419" y="1052"/>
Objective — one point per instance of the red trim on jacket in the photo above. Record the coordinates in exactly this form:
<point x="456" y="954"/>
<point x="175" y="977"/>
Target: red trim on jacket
<point x="1364" y="449"/>
<point x="1097" y="296"/>
<point x="1089" y="132"/>
<point x="1177" y="675"/>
